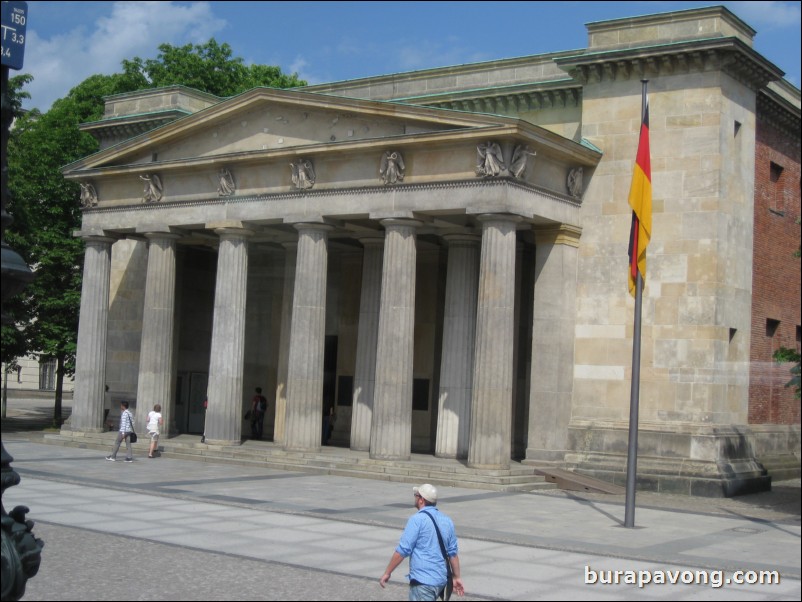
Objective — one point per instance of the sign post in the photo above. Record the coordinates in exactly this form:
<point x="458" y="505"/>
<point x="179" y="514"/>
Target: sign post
<point x="15" y="18"/>
<point x="21" y="551"/>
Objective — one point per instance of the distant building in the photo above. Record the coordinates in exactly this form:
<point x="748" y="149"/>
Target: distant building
<point x="29" y="375"/>
<point x="442" y="255"/>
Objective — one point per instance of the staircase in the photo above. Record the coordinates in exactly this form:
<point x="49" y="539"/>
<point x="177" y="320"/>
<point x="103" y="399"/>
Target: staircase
<point x="421" y="468"/>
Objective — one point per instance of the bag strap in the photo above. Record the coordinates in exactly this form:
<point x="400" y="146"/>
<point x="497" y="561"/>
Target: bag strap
<point x="446" y="592"/>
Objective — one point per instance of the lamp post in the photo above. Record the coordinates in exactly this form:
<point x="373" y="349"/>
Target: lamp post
<point x="21" y="551"/>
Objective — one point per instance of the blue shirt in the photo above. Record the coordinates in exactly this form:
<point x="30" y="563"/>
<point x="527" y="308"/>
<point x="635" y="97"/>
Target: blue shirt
<point x="419" y="543"/>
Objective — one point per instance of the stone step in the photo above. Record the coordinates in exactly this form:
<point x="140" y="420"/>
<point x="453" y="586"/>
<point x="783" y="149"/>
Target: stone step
<point x="572" y="481"/>
<point x="333" y="461"/>
<point x="402" y="475"/>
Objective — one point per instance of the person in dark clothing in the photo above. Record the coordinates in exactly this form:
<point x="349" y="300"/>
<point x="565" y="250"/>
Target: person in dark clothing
<point x="258" y="411"/>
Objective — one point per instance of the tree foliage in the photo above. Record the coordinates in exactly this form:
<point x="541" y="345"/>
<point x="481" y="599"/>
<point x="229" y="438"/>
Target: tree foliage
<point x="208" y="67"/>
<point x="784" y="355"/>
<point x="46" y="208"/>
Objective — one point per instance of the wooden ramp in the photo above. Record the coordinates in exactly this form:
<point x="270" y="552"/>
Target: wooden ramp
<point x="572" y="481"/>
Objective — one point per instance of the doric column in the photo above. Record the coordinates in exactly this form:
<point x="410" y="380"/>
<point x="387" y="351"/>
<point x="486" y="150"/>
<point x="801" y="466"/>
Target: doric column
<point x="156" y="351"/>
<point x="391" y="428"/>
<point x="553" y="332"/>
<point x="90" y="361"/>
<point x="368" y="334"/>
<point x="224" y="414"/>
<point x="491" y="402"/>
<point x="459" y="327"/>
<point x="290" y="258"/>
<point x="304" y="416"/>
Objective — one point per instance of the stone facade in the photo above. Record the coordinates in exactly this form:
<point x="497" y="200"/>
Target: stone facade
<point x="441" y="255"/>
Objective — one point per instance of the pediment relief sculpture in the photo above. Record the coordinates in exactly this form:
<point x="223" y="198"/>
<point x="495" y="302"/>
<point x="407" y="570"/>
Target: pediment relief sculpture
<point x="574" y="182"/>
<point x="153" y="191"/>
<point x="88" y="194"/>
<point x="226" y="187"/>
<point x="391" y="170"/>
<point x="520" y="157"/>
<point x="303" y="174"/>
<point x="490" y="160"/>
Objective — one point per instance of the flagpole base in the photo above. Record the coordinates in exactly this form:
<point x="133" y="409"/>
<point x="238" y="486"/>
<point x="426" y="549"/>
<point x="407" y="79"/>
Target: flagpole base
<point x="713" y="461"/>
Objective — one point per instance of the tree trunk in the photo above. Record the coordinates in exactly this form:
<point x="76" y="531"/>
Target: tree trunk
<point x="57" y="420"/>
<point x="5" y="391"/>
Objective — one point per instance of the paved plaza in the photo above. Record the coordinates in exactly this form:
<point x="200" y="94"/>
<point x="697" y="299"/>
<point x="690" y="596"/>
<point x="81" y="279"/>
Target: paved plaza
<point x="166" y="529"/>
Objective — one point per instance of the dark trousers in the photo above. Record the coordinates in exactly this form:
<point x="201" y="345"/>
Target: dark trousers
<point x="257" y="424"/>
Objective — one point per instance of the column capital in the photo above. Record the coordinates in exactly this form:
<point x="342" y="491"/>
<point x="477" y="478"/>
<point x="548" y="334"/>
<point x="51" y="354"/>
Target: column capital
<point x="320" y="226"/>
<point x="499" y="217"/>
<point x="230" y="228"/>
<point x="372" y="239"/>
<point x="95" y="235"/>
<point x="227" y="233"/>
<point x="562" y="234"/>
<point x="462" y="238"/>
<point x="158" y="231"/>
<point x="400" y="222"/>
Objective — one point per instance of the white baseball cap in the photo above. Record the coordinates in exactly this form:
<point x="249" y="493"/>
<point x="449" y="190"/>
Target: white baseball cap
<point x="427" y="492"/>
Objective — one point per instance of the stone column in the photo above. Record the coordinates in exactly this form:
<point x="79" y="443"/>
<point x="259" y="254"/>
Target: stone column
<point x="459" y="327"/>
<point x="290" y="258"/>
<point x="90" y="360"/>
<point x="553" y="333"/>
<point x="156" y="351"/>
<point x="491" y="402"/>
<point x="225" y="411"/>
<point x="304" y="415"/>
<point x="391" y="428"/>
<point x="367" y="336"/>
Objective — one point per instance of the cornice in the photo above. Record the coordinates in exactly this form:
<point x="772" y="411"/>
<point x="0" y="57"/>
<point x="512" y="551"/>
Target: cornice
<point x="128" y="127"/>
<point x="779" y="111"/>
<point x="540" y="138"/>
<point x="729" y="55"/>
<point x="349" y="192"/>
<point x="509" y="100"/>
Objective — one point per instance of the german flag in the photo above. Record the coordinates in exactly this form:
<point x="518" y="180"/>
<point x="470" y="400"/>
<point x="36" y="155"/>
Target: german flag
<point x="640" y="199"/>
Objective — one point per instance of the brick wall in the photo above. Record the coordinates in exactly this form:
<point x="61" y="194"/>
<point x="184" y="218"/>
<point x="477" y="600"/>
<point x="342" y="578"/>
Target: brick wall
<point x="776" y="272"/>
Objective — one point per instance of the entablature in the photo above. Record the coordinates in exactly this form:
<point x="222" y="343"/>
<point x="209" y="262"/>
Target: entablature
<point x="730" y="55"/>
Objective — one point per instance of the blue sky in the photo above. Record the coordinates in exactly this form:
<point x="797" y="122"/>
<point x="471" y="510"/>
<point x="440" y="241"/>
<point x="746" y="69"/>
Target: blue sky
<point x="331" y="41"/>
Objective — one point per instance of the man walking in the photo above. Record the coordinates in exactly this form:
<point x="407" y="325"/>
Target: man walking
<point x="428" y="534"/>
<point x="124" y="434"/>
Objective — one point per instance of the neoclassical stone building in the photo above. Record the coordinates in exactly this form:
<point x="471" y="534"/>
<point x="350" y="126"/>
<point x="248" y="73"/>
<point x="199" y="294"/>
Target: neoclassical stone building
<point x="441" y="256"/>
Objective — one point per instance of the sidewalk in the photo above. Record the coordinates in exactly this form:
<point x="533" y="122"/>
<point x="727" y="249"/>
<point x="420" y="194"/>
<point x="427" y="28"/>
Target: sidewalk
<point x="523" y="546"/>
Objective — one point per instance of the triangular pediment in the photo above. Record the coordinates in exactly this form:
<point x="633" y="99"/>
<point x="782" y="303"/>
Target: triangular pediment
<point x="264" y="120"/>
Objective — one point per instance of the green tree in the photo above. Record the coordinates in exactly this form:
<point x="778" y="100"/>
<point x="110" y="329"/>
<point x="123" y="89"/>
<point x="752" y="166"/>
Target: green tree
<point x="46" y="207"/>
<point x="46" y="211"/>
<point x="784" y="355"/>
<point x="208" y="67"/>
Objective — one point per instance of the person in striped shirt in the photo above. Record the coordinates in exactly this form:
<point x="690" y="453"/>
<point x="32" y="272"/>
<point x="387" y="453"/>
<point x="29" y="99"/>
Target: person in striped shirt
<point x="126" y="428"/>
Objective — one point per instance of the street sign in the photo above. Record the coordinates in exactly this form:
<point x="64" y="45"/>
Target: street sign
<point x="15" y="16"/>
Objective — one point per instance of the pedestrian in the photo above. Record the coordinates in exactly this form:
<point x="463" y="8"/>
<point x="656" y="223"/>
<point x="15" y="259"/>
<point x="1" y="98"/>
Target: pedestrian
<point x="125" y="432"/>
<point x="258" y="410"/>
<point x="155" y="422"/>
<point x="329" y="418"/>
<point x="427" y="540"/>
<point x="205" y="407"/>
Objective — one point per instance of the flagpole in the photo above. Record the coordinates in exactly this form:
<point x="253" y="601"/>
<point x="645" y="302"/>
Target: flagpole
<point x="634" y="395"/>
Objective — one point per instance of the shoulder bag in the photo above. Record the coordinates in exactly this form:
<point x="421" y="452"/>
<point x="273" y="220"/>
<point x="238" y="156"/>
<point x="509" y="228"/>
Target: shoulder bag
<point x="446" y="593"/>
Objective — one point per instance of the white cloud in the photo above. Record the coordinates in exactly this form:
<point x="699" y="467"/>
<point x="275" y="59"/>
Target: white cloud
<point x="768" y="14"/>
<point x="62" y="61"/>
